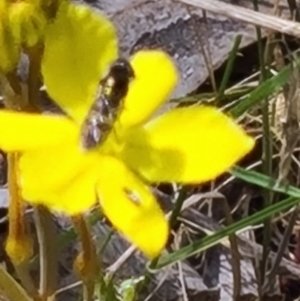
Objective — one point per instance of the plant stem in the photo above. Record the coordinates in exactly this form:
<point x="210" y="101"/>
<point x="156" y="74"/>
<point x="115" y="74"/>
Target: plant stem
<point x="19" y="244"/>
<point x="86" y="263"/>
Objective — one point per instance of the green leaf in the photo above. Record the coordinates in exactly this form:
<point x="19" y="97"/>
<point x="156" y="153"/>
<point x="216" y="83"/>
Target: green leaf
<point x="79" y="46"/>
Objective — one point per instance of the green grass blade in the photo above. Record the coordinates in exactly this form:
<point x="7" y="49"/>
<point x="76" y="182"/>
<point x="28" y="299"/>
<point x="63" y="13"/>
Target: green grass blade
<point x="211" y="240"/>
<point x="229" y="66"/>
<point x="265" y="89"/>
<point x="264" y="181"/>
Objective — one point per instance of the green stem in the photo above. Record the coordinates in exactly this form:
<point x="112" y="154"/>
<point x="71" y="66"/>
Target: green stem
<point x="266" y="158"/>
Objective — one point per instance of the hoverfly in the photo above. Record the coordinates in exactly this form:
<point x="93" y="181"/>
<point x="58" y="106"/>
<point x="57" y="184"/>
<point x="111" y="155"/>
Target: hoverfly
<point x="102" y="115"/>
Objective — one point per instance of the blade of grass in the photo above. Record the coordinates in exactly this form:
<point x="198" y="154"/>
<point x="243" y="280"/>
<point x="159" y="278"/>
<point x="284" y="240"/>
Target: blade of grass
<point x="229" y="66"/>
<point x="211" y="240"/>
<point x="264" y="181"/>
<point x="229" y="94"/>
<point x="265" y="89"/>
<point x="266" y="158"/>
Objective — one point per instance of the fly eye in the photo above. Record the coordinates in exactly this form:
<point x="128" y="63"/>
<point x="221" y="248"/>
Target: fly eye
<point x="133" y="196"/>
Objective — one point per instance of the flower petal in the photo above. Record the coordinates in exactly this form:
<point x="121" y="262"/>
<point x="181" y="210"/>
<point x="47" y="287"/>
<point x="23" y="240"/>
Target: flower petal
<point x="23" y="131"/>
<point x="62" y="178"/>
<point x="10" y="46"/>
<point x="130" y="206"/>
<point x="79" y="46"/>
<point x="155" y="78"/>
<point x="28" y="21"/>
<point x="187" y="145"/>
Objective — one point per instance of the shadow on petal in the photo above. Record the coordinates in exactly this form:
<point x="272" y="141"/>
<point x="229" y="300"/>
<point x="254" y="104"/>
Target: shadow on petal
<point x="186" y="145"/>
<point x="132" y="209"/>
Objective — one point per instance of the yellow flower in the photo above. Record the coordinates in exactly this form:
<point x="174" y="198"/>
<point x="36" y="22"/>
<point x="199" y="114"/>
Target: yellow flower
<point x="27" y="21"/>
<point x="22" y="23"/>
<point x="186" y="145"/>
